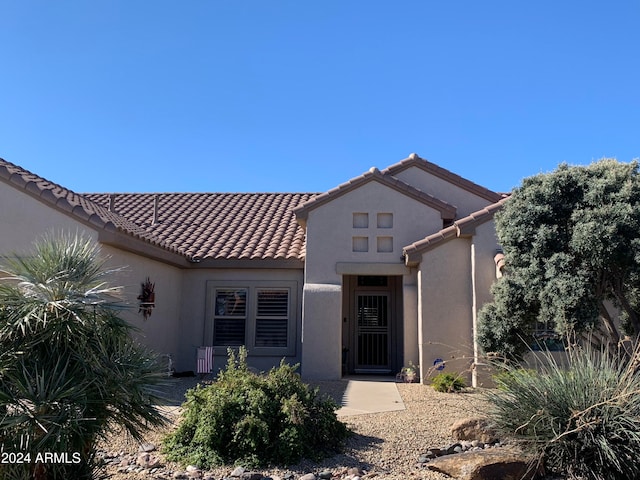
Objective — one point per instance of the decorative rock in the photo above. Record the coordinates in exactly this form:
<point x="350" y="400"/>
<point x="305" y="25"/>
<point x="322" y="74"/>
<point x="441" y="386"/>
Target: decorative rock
<point x="506" y="464"/>
<point x="237" y="472"/>
<point x="325" y="475"/>
<point x="251" y="476"/>
<point x="355" y="471"/>
<point x="451" y="449"/>
<point x="434" y="452"/>
<point x="146" y="448"/>
<point x="146" y="460"/>
<point x="474" y="429"/>
<point x="308" y="476"/>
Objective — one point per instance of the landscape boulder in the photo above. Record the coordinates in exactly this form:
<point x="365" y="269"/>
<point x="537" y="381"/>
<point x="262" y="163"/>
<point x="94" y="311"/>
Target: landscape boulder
<point x="492" y="464"/>
<point x="474" y="428"/>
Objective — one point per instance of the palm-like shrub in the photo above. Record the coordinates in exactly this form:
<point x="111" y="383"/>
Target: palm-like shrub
<point x="69" y="368"/>
<point x="255" y="420"/>
<point x="580" y="420"/>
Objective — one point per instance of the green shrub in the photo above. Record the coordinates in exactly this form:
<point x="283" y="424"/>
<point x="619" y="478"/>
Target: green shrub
<point x="256" y="420"/>
<point x="501" y="377"/>
<point x="582" y="420"/>
<point x="448" y="382"/>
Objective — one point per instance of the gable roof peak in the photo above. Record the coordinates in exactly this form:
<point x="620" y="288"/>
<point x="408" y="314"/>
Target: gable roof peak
<point x="447" y="211"/>
<point x="414" y="160"/>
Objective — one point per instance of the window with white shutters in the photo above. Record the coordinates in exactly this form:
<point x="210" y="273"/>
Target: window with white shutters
<point x="272" y="317"/>
<point x="262" y="315"/>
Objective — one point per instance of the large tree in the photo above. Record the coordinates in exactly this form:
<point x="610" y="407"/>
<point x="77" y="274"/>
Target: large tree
<point x="571" y="240"/>
<point x="69" y="367"/>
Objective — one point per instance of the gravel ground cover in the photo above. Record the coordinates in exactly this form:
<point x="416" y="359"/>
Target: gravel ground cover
<point x="384" y="445"/>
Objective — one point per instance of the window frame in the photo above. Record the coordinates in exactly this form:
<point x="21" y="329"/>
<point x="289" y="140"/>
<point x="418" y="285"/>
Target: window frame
<point x="252" y="288"/>
<point x="230" y="316"/>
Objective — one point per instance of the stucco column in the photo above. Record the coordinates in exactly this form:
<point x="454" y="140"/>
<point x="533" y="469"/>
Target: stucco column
<point x="411" y="323"/>
<point x="322" y="332"/>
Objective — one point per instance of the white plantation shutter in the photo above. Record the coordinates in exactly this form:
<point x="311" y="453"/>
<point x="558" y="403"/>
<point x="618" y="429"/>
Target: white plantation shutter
<point x="272" y="317"/>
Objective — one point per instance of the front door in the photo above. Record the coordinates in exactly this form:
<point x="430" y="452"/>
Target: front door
<point x="373" y="332"/>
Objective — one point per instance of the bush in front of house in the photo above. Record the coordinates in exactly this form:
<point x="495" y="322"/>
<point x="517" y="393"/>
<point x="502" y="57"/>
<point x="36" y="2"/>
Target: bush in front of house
<point x="255" y="420"/>
<point x="447" y="382"/>
<point x="581" y="421"/>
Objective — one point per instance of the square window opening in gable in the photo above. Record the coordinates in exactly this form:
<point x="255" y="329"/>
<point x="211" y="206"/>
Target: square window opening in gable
<point x="385" y="220"/>
<point x="360" y="220"/>
<point x="385" y="244"/>
<point x="360" y="244"/>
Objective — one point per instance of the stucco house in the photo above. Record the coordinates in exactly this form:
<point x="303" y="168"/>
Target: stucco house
<point x="387" y="269"/>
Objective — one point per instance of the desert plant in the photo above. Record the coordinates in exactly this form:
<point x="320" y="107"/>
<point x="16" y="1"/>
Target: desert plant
<point x="580" y="420"/>
<point x="256" y="420"/>
<point x="448" y="382"/>
<point x="69" y="368"/>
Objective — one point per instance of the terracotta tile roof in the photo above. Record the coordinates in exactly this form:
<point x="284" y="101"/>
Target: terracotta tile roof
<point x="415" y="161"/>
<point x="447" y="211"/>
<point x="65" y="200"/>
<point x="197" y="226"/>
<point x="464" y="226"/>
<point x="201" y="227"/>
<point x="216" y="226"/>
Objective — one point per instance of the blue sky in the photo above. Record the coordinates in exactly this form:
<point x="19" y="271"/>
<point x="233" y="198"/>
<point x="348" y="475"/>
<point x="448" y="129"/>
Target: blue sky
<point x="160" y="96"/>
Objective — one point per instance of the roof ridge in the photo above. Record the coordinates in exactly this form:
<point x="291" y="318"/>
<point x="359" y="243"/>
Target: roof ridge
<point x="197" y="193"/>
<point x="447" y="210"/>
<point x="440" y="172"/>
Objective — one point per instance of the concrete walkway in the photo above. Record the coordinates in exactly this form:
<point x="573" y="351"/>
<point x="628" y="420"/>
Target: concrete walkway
<point x="362" y="395"/>
<point x="370" y="395"/>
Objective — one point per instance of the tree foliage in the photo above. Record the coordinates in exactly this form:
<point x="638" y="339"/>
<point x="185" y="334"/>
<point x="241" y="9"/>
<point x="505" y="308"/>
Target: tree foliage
<point x="69" y="368"/>
<point x="571" y="240"/>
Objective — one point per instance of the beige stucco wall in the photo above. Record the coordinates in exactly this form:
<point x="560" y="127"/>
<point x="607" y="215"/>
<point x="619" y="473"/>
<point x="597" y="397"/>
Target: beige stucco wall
<point x="410" y="312"/>
<point x="445" y="306"/>
<point x="330" y="229"/>
<point x="454" y="283"/>
<point x="465" y="201"/>
<point x="23" y="219"/>
<point x="196" y="329"/>
<point x="485" y="247"/>
<point x="330" y="233"/>
<point x="161" y="331"/>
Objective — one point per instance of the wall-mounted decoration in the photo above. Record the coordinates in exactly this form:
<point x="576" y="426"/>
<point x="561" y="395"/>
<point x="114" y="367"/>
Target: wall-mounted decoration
<point x="147" y="298"/>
